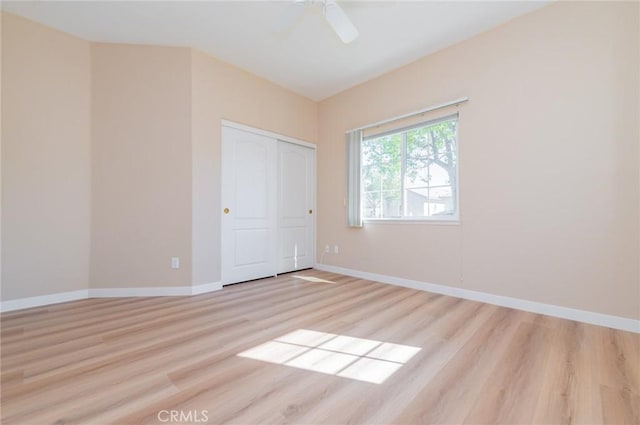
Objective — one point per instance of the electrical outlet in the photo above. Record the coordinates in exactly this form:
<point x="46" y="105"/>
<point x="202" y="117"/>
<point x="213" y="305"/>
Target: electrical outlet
<point x="327" y="249"/>
<point x="175" y="262"/>
<point x="336" y="249"/>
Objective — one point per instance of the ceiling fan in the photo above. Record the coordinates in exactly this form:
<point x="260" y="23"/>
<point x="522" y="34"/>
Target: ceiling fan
<point x="333" y="14"/>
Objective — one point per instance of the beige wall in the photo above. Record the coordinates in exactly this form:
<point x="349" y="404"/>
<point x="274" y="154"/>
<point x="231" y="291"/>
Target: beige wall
<point x="548" y="162"/>
<point x="141" y="165"/>
<point x="45" y="160"/>
<point x="221" y="91"/>
<point x="111" y="159"/>
<point x="156" y="158"/>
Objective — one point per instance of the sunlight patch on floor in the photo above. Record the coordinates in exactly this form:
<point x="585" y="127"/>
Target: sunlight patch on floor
<point x="340" y="355"/>
<point x="313" y="279"/>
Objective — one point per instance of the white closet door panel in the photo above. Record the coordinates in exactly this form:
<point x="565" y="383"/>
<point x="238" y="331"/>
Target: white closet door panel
<point x="293" y="248"/>
<point x="296" y="184"/>
<point x="249" y="218"/>
<point x="251" y="247"/>
<point x="293" y="183"/>
<point x="251" y="175"/>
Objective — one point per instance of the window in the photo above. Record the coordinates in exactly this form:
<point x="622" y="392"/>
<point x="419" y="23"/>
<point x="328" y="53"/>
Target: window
<point x="411" y="173"/>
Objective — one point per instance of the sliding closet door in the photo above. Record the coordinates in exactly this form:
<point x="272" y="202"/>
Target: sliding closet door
<point x="296" y="204"/>
<point x="249" y="203"/>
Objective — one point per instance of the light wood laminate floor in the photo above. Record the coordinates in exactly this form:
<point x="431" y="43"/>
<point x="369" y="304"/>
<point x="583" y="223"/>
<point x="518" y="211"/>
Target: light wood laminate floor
<point x="307" y="351"/>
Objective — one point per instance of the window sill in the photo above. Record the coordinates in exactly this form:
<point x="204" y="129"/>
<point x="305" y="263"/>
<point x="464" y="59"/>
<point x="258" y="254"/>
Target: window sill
<point x="441" y="221"/>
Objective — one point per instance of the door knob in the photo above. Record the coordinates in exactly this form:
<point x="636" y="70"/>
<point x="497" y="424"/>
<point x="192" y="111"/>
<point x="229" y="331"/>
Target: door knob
<point x="226" y="210"/>
<point x="310" y="211"/>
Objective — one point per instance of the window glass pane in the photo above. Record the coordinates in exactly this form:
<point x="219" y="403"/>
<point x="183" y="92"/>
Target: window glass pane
<point x="381" y="177"/>
<point x="411" y="173"/>
<point x="443" y="164"/>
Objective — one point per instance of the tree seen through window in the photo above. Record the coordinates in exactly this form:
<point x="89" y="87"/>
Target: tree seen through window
<point x="411" y="173"/>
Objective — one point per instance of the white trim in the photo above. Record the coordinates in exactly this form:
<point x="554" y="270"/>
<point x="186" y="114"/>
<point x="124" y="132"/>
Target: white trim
<point x="266" y="133"/>
<point x="616" y="322"/>
<point x="61" y="297"/>
<point x="153" y="291"/>
<point x="203" y="288"/>
<point x="451" y="222"/>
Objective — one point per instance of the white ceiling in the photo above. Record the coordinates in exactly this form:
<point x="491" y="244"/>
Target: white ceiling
<point x="308" y="59"/>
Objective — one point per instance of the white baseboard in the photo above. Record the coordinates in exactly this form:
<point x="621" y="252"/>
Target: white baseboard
<point x="203" y="288"/>
<point x="61" y="297"/>
<point x="153" y="291"/>
<point x="584" y="316"/>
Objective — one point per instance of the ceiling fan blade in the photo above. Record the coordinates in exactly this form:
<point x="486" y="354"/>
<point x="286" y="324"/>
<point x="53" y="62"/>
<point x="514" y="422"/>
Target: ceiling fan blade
<point x="340" y="22"/>
<point x="289" y="16"/>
